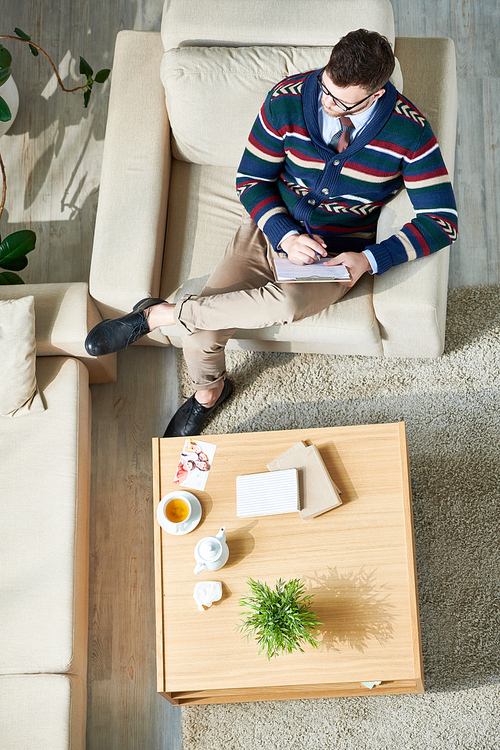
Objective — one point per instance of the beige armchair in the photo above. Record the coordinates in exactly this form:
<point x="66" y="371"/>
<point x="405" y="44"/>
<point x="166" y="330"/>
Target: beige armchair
<point x="168" y="205"/>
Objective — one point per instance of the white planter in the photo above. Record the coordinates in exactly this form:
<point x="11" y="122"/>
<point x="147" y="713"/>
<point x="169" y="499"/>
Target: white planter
<point x="10" y="93"/>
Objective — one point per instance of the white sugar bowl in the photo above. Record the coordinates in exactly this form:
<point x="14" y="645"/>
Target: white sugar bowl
<point x="211" y="552"/>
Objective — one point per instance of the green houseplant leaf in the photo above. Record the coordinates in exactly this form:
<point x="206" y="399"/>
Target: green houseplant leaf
<point x="22" y="34"/>
<point x="14" y="264"/>
<point x="26" y="38"/>
<point x="5" y="113"/>
<point x="4" y="75"/>
<point x="16" y="245"/>
<point x="5" y="57"/>
<point x="102" y="75"/>
<point x="10" y="278"/>
<point x="85" y="68"/>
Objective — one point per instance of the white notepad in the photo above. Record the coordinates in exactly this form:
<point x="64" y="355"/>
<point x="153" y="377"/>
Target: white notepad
<point x="267" y="494"/>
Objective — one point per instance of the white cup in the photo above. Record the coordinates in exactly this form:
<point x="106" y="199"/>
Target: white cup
<point x="178" y="510"/>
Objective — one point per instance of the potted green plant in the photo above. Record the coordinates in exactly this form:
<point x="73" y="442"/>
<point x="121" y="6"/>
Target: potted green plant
<point x="15" y="247"/>
<point x="280" y="619"/>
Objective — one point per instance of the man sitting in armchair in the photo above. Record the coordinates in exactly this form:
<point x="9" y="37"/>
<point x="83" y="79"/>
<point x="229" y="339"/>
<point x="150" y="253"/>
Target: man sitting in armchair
<point x="328" y="149"/>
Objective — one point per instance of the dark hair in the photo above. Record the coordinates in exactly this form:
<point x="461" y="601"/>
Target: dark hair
<point x="361" y="58"/>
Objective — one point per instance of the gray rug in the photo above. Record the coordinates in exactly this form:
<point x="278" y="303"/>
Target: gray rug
<point x="451" y="408"/>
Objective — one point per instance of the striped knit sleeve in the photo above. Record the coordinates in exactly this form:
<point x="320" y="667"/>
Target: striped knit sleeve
<point x="429" y="188"/>
<point x="256" y="181"/>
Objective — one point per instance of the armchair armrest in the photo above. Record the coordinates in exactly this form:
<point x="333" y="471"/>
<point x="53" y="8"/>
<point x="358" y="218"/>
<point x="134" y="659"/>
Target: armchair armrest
<point x="131" y="215"/>
<point x="410" y="299"/>
<point x="64" y="314"/>
<point x="429" y="69"/>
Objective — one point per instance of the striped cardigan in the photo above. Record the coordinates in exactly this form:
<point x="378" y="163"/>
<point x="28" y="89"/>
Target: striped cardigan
<point x="289" y="178"/>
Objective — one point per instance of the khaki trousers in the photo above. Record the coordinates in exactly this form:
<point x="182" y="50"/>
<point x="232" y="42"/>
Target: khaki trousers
<point x="242" y="293"/>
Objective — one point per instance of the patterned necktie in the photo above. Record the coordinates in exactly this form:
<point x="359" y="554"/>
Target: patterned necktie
<point x="340" y="140"/>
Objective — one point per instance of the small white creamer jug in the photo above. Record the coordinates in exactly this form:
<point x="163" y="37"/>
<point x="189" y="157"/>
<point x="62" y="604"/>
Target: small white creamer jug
<point x="211" y="552"/>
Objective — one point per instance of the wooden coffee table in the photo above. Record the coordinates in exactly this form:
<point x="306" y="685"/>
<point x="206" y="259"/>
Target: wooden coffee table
<point x="358" y="560"/>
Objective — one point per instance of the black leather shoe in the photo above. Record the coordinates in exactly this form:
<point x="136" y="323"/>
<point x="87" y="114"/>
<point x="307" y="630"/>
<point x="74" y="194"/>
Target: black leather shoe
<point x="110" y="336"/>
<point x="191" y="416"/>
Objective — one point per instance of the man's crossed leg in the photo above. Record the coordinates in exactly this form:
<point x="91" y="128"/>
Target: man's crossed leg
<point x="242" y="291"/>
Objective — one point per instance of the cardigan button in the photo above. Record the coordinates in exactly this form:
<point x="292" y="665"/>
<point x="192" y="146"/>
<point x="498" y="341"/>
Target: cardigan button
<point x="311" y="202"/>
<point x="325" y="191"/>
<point x="336" y="162"/>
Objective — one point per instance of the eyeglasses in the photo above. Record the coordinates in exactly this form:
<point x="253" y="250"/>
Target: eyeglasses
<point x="336" y="101"/>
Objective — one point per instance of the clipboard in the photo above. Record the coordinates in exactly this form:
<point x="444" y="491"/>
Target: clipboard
<point x="285" y="271"/>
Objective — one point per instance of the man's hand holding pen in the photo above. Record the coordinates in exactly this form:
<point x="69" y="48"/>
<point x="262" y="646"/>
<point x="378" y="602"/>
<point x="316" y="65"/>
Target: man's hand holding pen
<point x="303" y="249"/>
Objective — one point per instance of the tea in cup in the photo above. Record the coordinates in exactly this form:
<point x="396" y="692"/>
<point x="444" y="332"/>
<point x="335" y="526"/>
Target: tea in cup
<point x="178" y="510"/>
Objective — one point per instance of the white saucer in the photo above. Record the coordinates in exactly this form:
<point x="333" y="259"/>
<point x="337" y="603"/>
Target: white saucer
<point x="181" y="528"/>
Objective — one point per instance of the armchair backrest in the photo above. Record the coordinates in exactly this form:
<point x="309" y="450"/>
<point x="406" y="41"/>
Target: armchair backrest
<point x="237" y="23"/>
<point x="215" y="85"/>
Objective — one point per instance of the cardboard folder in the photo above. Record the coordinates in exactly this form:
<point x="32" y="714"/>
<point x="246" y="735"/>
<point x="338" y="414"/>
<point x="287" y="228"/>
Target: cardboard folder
<point x="318" y="492"/>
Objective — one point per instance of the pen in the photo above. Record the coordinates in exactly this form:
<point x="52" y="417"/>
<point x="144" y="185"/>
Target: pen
<point x="308" y="230"/>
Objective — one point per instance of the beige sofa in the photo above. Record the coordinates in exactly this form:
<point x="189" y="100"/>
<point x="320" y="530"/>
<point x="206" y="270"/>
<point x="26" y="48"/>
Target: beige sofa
<point x="44" y="510"/>
<point x="167" y="204"/>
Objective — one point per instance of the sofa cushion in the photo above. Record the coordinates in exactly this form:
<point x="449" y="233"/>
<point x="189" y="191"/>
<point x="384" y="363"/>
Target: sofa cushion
<point x="18" y="390"/>
<point x="350" y="325"/>
<point x="213" y="95"/>
<point x="204" y="213"/>
<point x="42" y="712"/>
<point x="44" y="503"/>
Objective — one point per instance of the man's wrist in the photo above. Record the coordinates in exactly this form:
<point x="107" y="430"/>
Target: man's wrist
<point x="279" y="246"/>
<point x="371" y="261"/>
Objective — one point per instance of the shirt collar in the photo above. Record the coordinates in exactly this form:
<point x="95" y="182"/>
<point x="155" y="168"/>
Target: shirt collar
<point x="358" y="120"/>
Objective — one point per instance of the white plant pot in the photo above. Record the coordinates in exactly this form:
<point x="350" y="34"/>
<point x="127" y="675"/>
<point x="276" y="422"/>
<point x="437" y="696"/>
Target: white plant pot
<point x="10" y="93"/>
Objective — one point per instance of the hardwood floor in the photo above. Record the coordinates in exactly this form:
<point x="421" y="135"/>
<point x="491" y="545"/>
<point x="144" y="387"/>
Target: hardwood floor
<point x="124" y="709"/>
<point x="53" y="155"/>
